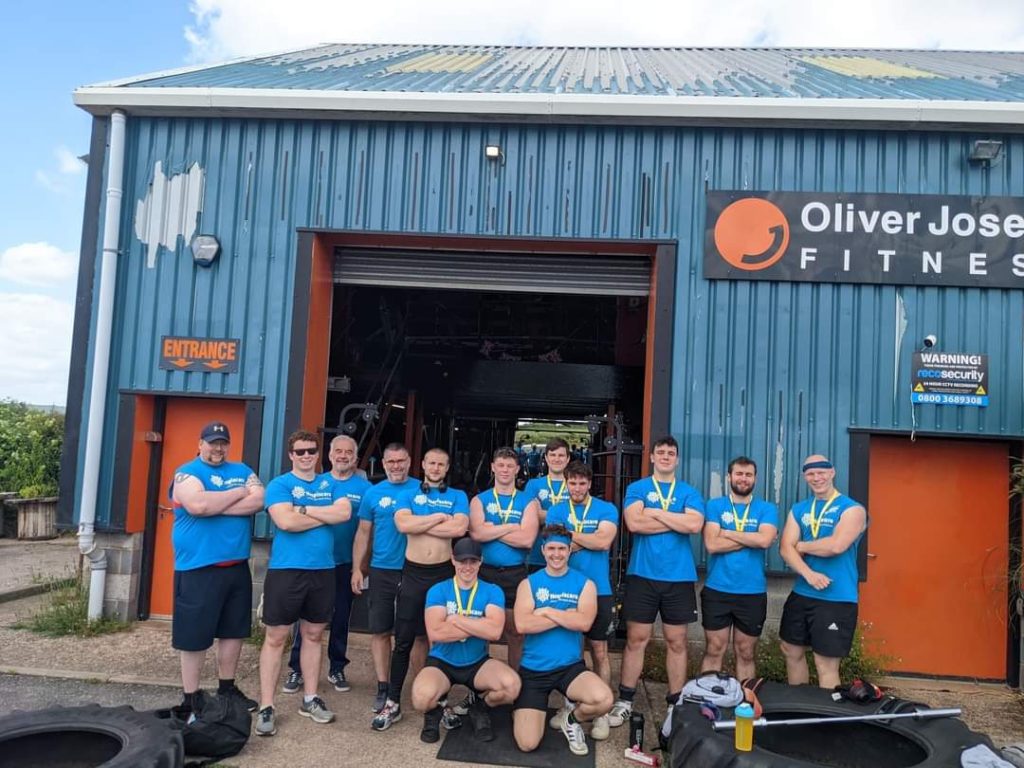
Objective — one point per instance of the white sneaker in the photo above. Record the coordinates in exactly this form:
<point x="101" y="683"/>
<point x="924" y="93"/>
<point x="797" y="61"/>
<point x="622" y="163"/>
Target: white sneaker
<point x="600" y="729"/>
<point x="555" y="723"/>
<point x="620" y="713"/>
<point x="576" y="738"/>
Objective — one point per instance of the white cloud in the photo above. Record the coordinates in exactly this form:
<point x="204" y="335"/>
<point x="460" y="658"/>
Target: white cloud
<point x="229" y="28"/>
<point x="40" y="264"/>
<point x="67" y="162"/>
<point x="44" y="180"/>
<point x="35" y="346"/>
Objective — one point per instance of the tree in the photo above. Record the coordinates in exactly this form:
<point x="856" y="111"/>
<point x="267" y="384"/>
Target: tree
<point x="30" y="448"/>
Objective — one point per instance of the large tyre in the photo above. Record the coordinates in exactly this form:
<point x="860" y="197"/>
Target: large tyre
<point x="898" y="744"/>
<point x="88" y="737"/>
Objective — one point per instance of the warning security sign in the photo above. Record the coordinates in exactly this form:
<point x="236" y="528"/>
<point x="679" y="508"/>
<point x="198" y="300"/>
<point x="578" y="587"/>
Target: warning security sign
<point x="944" y="378"/>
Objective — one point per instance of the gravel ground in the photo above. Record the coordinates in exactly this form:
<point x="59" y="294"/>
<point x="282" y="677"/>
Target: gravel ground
<point x="29" y="692"/>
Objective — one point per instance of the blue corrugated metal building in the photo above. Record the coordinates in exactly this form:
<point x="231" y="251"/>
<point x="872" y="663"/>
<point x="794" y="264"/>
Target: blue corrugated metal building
<point x="322" y="170"/>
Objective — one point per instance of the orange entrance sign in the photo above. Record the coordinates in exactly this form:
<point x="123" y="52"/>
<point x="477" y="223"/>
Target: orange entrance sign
<point x="190" y="353"/>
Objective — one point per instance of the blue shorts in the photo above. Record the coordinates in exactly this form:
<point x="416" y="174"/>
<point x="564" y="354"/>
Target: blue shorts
<point x="211" y="602"/>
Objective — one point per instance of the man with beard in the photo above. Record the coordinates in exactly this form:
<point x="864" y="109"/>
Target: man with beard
<point x="429" y="517"/>
<point x="820" y="543"/>
<point x="548" y="491"/>
<point x="735" y="596"/>
<point x="377" y="517"/>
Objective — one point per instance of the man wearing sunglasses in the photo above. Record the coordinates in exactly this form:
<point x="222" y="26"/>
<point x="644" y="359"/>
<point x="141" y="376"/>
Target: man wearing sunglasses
<point x="377" y="520"/>
<point x="300" y="576"/>
<point x="463" y="614"/>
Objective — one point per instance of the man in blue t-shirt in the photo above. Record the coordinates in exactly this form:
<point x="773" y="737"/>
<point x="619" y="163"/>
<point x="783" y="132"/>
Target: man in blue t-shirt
<point x="504" y="521"/>
<point x="299" y="585"/>
<point x="738" y="529"/>
<point x="377" y="522"/>
<point x="214" y="500"/>
<point x="554" y="608"/>
<point x="593" y="524"/>
<point x="462" y="615"/>
<point x="548" y="491"/>
<point x="819" y="542"/>
<point x="344" y="457"/>
<point x="661" y="512"/>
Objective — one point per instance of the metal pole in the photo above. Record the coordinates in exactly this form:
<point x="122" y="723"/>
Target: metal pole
<point x="762" y="722"/>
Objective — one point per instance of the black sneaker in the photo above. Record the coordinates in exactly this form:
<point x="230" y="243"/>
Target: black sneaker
<point x="480" y="718"/>
<point x="294" y="682"/>
<point x="431" y="732"/>
<point x="233" y="692"/>
<point x="337" y="679"/>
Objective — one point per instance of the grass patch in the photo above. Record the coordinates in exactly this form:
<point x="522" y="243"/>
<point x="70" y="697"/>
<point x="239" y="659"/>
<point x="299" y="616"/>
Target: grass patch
<point x="65" y="613"/>
<point x="771" y="664"/>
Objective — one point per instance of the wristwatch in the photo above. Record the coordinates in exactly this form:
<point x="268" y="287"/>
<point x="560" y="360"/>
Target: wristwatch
<point x="300" y="509"/>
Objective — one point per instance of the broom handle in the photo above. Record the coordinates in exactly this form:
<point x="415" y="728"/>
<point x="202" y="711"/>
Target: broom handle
<point x="761" y="722"/>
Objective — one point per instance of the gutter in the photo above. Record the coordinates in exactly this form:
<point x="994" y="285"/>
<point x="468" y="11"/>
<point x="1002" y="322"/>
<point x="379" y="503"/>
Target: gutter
<point x="101" y="368"/>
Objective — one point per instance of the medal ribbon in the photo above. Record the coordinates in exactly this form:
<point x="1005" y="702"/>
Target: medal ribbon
<point x="458" y="597"/>
<point x="816" y="521"/>
<point x="577" y="523"/>
<point x="741" y="522"/>
<point x="556" y="498"/>
<point x="662" y="499"/>
<point x="504" y="513"/>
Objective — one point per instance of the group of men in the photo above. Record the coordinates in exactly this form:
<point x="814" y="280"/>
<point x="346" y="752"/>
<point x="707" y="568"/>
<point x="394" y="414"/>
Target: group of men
<point x="445" y="575"/>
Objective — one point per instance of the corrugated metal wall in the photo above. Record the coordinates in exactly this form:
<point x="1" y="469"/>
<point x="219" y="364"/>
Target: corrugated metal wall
<point x="771" y="370"/>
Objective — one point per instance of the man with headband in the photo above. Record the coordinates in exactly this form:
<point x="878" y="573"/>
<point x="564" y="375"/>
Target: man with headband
<point x="820" y="542"/>
<point x="554" y="607"/>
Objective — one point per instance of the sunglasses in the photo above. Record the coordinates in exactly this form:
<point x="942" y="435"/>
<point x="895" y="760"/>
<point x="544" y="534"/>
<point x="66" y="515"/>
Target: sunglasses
<point x="305" y="451"/>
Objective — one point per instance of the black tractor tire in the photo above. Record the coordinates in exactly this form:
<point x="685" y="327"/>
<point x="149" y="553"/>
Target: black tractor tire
<point x="926" y="743"/>
<point x="88" y="737"/>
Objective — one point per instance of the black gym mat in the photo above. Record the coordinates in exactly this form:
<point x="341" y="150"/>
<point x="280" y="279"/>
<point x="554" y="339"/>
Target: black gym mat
<point x="553" y="752"/>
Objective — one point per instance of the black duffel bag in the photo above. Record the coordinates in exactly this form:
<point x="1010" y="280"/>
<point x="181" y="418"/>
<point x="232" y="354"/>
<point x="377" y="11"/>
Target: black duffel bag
<point x="216" y="727"/>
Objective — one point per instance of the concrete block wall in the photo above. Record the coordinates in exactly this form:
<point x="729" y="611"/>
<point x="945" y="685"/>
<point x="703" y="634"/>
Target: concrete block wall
<point x="124" y="564"/>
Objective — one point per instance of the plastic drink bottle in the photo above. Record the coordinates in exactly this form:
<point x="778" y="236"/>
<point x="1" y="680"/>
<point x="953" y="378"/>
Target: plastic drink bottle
<point x="744" y="715"/>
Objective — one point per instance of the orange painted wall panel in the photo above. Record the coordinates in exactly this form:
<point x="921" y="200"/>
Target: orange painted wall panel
<point x="138" y="476"/>
<point x="318" y="335"/>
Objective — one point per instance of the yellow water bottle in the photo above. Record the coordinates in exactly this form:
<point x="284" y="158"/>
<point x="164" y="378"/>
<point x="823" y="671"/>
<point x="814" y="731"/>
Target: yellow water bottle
<point x="744" y="715"/>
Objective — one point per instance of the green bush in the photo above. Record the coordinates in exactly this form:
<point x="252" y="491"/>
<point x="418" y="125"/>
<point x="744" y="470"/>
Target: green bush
<point x="65" y="612"/>
<point x="30" y="448"/>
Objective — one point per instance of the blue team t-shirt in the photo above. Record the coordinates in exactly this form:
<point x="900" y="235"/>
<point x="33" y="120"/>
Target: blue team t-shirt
<point x="665" y="556"/>
<point x="310" y="550"/>
<point x="378" y="506"/>
<point x="740" y="572"/>
<point x="500" y="509"/>
<point x="472" y="649"/>
<point x="547" y="492"/>
<point x="351" y="488"/>
<point x="556" y="647"/>
<point x="842" y="569"/>
<point x="202" y="541"/>
<point x="593" y="564"/>
<point x="451" y="502"/>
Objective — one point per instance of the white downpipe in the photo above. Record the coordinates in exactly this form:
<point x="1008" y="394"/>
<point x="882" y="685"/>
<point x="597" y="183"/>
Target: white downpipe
<point x="101" y="368"/>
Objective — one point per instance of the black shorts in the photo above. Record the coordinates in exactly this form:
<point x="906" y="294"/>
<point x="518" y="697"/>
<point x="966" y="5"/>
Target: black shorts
<point x="381" y="599"/>
<point x="645" y="598"/>
<point x="532" y="568"/>
<point x="537" y="686"/>
<point x="721" y="610"/>
<point x="215" y="601"/>
<point x="290" y="594"/>
<point x="825" y="626"/>
<point x="601" y="629"/>
<point x="458" y="675"/>
<point x="507" y="577"/>
<point x="412" y="593"/>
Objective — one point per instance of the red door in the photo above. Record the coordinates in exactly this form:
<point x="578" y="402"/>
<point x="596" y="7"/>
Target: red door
<point x="185" y="418"/>
<point x="936" y="594"/>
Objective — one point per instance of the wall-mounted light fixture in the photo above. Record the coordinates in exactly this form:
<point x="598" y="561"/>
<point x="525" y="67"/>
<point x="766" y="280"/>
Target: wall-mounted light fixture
<point x="205" y="250"/>
<point x="985" y="151"/>
<point x="493" y="152"/>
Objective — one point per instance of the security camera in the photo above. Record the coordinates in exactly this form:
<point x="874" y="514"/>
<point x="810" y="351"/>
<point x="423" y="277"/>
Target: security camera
<point x="930" y="341"/>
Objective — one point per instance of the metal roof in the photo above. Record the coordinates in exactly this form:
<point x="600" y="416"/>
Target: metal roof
<point x="415" y="78"/>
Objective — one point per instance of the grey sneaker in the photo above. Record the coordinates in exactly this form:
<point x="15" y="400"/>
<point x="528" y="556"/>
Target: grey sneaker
<point x="265" y="725"/>
<point x="620" y="713"/>
<point x="337" y="679"/>
<point x="449" y="720"/>
<point x="463" y="707"/>
<point x="387" y="717"/>
<point x="294" y="682"/>
<point x="379" y="701"/>
<point x="316" y="711"/>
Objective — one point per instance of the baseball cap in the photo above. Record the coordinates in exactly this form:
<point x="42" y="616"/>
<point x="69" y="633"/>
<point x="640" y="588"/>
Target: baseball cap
<point x="215" y="430"/>
<point x="467" y="549"/>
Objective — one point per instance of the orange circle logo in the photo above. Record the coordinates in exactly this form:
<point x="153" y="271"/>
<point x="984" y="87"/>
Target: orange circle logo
<point x="752" y="234"/>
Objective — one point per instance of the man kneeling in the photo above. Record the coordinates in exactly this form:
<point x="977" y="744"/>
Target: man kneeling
<point x="554" y="607"/>
<point x="462" y="615"/>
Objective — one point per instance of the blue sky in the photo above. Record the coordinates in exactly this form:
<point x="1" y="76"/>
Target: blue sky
<point x="53" y="46"/>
